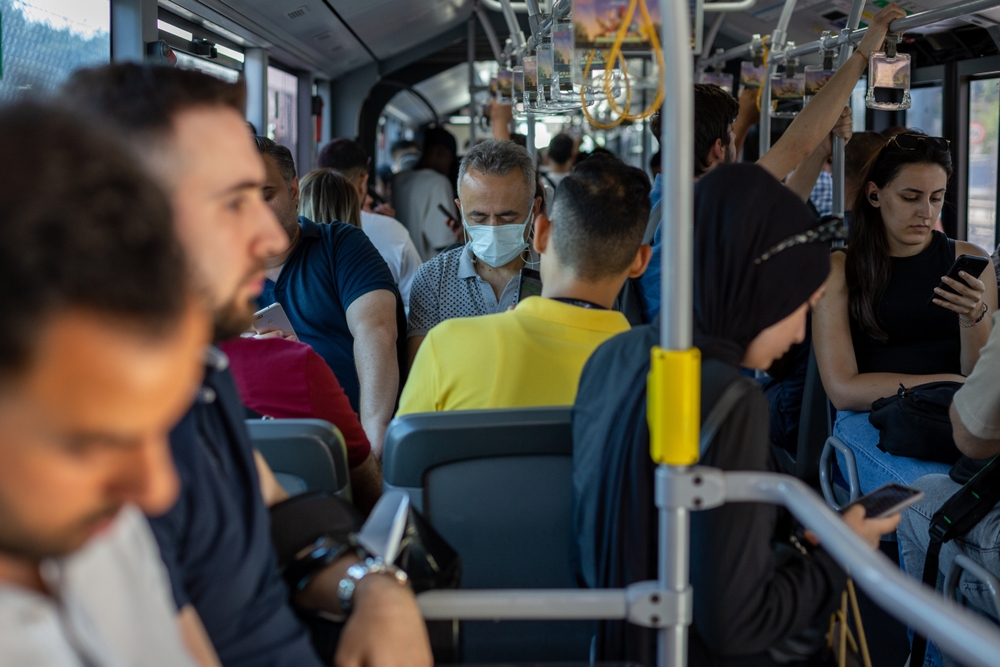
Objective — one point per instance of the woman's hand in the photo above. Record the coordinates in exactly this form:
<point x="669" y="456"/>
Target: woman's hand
<point x="870" y="530"/>
<point x="878" y="28"/>
<point x="968" y="303"/>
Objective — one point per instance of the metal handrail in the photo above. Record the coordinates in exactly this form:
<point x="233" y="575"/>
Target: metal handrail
<point x="777" y="44"/>
<point x="729" y="6"/>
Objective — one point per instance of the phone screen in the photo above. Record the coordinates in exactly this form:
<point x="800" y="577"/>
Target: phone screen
<point x="529" y="285"/>
<point x="887" y="500"/>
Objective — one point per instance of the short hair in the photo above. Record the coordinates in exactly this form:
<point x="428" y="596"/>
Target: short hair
<point x="326" y="195"/>
<point x="561" y="148"/>
<point x="499" y="157"/>
<point x="143" y="100"/>
<point x="715" y="111"/>
<point x="599" y="216"/>
<point x="84" y="227"/>
<point x="346" y="156"/>
<point x="281" y="155"/>
<point x="438" y="136"/>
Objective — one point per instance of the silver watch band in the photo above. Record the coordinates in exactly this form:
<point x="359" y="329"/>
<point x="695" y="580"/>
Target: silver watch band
<point x="358" y="571"/>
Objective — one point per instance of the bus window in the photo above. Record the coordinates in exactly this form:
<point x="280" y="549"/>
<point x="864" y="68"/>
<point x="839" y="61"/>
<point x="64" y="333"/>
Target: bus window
<point x="926" y="113"/>
<point x="984" y="111"/>
<point x="45" y="40"/>
<point x="858" y="106"/>
<point x="282" y="108"/>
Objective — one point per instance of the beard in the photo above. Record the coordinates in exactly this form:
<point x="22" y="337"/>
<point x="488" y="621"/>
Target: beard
<point x="233" y="319"/>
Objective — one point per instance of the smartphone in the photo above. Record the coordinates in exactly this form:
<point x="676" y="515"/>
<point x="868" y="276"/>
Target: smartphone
<point x="530" y="284"/>
<point x="448" y="213"/>
<point x="974" y="265"/>
<point x="272" y="318"/>
<point x="887" y="500"/>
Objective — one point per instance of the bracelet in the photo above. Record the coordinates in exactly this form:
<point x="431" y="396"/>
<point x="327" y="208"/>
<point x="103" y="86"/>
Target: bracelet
<point x="979" y="319"/>
<point x="358" y="571"/>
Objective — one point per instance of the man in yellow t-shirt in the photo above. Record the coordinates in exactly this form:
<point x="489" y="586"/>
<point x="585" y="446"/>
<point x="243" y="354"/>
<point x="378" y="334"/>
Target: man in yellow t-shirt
<point x="533" y="355"/>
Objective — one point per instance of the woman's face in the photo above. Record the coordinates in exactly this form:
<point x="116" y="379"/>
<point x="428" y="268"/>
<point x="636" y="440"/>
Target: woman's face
<point x="910" y="203"/>
<point x="773" y="342"/>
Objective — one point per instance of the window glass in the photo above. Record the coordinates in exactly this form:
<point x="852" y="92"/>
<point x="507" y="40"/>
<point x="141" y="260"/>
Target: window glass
<point x="926" y="113"/>
<point x="42" y="41"/>
<point x="282" y="108"/>
<point x="984" y="113"/>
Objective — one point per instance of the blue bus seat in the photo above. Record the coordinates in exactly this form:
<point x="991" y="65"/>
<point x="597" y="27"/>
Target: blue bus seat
<point x="497" y="485"/>
<point x="305" y="454"/>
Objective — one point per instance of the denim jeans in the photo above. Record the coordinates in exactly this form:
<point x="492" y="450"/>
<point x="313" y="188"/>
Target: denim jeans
<point x="875" y="467"/>
<point x="981" y="544"/>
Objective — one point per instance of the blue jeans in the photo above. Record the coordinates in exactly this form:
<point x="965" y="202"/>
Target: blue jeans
<point x="875" y="467"/>
<point x="981" y="544"/>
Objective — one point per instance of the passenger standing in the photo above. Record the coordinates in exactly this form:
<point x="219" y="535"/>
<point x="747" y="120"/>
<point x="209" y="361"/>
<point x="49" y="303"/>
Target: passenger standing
<point x="563" y="150"/>
<point x="497" y="204"/>
<point x="874" y="330"/>
<point x="533" y="354"/>
<point x="751" y="599"/>
<point x="388" y="235"/>
<point x="419" y="194"/>
<point x="339" y="297"/>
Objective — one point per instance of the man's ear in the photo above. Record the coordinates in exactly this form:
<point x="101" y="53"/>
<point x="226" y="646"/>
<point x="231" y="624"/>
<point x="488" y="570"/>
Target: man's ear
<point x="641" y="261"/>
<point x="363" y="187"/>
<point x="293" y="190"/>
<point x="536" y="208"/>
<point x="458" y="203"/>
<point x="717" y="154"/>
<point x="543" y="233"/>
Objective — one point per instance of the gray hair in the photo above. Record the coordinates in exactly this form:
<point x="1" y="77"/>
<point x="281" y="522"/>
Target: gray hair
<point x="281" y="155"/>
<point x="498" y="157"/>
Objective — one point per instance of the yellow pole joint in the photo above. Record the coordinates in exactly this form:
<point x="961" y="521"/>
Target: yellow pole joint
<point x="674" y="406"/>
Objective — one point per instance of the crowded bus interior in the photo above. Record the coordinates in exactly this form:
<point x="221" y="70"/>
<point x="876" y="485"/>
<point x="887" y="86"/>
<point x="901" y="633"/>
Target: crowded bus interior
<point x="392" y="333"/>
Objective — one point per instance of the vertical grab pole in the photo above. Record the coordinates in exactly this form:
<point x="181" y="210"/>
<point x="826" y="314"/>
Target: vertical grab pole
<point x="674" y="383"/>
<point x="473" y="82"/>
<point x="777" y="45"/>
<point x="839" y="151"/>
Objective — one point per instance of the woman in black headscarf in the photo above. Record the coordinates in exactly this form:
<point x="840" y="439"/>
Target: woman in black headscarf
<point x="759" y="264"/>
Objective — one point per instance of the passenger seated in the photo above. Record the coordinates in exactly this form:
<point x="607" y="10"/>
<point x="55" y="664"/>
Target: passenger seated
<point x="497" y="202"/>
<point x="326" y="196"/>
<point x="339" y="297"/>
<point x="874" y="329"/>
<point x="418" y="194"/>
<point x="532" y="355"/>
<point x="388" y="235"/>
<point x="285" y="379"/>
<point x="753" y="597"/>
<point x="101" y="346"/>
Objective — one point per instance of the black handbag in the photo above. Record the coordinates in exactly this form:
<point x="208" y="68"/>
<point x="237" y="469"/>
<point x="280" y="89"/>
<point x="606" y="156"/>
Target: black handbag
<point x="915" y="422"/>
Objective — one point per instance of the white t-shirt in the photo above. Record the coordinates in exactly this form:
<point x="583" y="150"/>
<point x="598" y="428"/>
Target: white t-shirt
<point x="111" y="607"/>
<point x="393" y="242"/>
<point x="416" y="196"/>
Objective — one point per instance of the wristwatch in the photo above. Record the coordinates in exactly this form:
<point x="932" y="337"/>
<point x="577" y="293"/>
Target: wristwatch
<point x="358" y="571"/>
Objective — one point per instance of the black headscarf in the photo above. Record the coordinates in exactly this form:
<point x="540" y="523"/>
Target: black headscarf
<point x="742" y="212"/>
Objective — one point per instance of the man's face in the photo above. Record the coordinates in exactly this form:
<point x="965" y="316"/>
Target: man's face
<point x="495" y="200"/>
<point x="282" y="197"/>
<point x="84" y="429"/>
<point x="215" y="178"/>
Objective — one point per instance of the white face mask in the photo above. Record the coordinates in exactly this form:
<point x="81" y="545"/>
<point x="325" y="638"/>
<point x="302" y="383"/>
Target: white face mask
<point x="497" y="245"/>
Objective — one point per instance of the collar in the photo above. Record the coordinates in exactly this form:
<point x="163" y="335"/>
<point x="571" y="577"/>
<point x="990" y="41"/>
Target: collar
<point x="608" y="321"/>
<point x="310" y="229"/>
<point x="216" y="359"/>
<point x="466" y="266"/>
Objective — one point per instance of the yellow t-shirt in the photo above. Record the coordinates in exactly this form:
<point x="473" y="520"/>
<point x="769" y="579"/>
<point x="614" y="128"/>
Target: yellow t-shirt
<point x="530" y="356"/>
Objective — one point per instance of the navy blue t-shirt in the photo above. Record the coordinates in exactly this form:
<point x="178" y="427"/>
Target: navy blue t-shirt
<point x="216" y="541"/>
<point x="332" y="265"/>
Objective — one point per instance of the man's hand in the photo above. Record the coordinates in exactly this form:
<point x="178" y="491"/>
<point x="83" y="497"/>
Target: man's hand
<point x="277" y="333"/>
<point x="386" y="210"/>
<point x="456" y="228"/>
<point x="385" y="629"/>
<point x="501" y="116"/>
<point x="877" y="29"/>
<point x="843" y="129"/>
<point x="749" y="113"/>
<point x="870" y="530"/>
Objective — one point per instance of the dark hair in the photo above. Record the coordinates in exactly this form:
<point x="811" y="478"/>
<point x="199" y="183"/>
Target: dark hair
<point x="438" y="136"/>
<point x="83" y="227"/>
<point x="867" y="267"/>
<point x="715" y="111"/>
<point x="561" y="148"/>
<point x="599" y="215"/>
<point x="144" y="99"/>
<point x="859" y="152"/>
<point x="281" y="155"/>
<point x="344" y="155"/>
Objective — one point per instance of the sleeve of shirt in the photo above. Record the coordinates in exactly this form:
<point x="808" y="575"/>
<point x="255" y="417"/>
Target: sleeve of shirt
<point x="978" y="402"/>
<point x="435" y="228"/>
<point x="424" y="300"/>
<point x="167" y="529"/>
<point x="421" y="391"/>
<point x="358" y="268"/>
<point x="329" y="402"/>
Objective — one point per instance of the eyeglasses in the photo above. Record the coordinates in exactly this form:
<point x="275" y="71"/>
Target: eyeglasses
<point x="831" y="227"/>
<point x="911" y="142"/>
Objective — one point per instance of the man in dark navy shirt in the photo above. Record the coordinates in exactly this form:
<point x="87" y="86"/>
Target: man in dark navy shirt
<point x="339" y="296"/>
<point x="190" y="132"/>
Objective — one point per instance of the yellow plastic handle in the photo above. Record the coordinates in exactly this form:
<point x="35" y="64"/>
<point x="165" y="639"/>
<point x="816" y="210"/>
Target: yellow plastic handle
<point x="674" y="406"/>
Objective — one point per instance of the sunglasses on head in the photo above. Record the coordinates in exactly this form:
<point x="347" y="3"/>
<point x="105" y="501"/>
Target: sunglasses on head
<point x="911" y="142"/>
<point x="830" y="227"/>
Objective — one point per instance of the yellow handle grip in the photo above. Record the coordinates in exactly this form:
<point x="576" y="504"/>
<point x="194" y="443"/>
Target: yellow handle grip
<point x="674" y="406"/>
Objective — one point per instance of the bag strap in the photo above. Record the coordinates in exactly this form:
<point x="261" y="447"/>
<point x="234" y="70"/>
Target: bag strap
<point x="957" y="516"/>
<point x="730" y="397"/>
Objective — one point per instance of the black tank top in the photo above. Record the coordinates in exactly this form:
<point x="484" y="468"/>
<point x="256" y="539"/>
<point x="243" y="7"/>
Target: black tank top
<point x="923" y="339"/>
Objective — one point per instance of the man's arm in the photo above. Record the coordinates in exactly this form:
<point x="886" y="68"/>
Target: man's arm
<point x="748" y="116"/>
<point x="972" y="446"/>
<point x="372" y="321"/>
<point x="366" y="484"/>
<point x="803" y="179"/>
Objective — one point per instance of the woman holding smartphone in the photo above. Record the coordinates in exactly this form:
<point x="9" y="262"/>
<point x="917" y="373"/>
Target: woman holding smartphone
<point x="884" y="321"/>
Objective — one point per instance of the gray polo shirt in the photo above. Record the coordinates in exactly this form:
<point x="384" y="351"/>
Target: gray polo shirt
<point x="448" y="286"/>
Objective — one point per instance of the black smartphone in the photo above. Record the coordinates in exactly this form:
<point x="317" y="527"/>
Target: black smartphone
<point x="451" y="215"/>
<point x="530" y="284"/>
<point x="974" y="265"/>
<point x="887" y="500"/>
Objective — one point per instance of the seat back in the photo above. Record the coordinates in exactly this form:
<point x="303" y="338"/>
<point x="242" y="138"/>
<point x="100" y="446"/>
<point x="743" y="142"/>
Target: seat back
<point x="305" y="454"/>
<point x="497" y="485"/>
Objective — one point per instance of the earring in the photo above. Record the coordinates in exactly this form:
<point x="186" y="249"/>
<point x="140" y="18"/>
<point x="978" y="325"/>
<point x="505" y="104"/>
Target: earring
<point x="873" y="197"/>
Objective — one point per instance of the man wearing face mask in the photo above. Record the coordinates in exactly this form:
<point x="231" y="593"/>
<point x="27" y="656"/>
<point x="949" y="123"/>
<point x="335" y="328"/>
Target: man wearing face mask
<point x="496" y="187"/>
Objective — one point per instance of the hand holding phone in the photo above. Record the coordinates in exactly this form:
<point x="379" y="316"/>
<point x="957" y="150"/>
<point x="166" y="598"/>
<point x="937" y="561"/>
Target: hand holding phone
<point x="887" y="500"/>
<point x="273" y="318"/>
<point x="974" y="265"/>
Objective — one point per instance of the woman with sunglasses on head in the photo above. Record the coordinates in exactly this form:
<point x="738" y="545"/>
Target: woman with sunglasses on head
<point x="876" y="328"/>
<point x="762" y="593"/>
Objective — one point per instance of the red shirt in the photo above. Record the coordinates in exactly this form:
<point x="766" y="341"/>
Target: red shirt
<point x="287" y="380"/>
